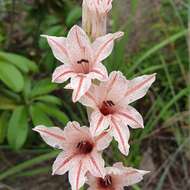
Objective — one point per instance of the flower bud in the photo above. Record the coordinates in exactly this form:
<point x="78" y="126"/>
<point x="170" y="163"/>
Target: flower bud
<point x="94" y="19"/>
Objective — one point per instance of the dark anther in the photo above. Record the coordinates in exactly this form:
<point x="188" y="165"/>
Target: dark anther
<point x="106" y="182"/>
<point x="82" y="61"/>
<point x="108" y="103"/>
<point x="84" y="147"/>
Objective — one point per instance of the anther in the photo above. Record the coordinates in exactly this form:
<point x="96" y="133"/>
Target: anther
<point x="83" y="61"/>
<point x="84" y="147"/>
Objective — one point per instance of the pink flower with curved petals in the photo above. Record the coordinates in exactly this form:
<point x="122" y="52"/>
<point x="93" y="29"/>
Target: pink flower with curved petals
<point x="110" y="103"/>
<point x="94" y="17"/>
<point x="82" y="60"/>
<point x="117" y="177"/>
<point x="81" y="152"/>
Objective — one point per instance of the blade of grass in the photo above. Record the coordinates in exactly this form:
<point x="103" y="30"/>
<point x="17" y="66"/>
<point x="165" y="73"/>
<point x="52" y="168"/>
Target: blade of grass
<point x="177" y="133"/>
<point x="170" y="163"/>
<point x="20" y="167"/>
<point x="173" y="4"/>
<point x="156" y="48"/>
<point x="182" y="93"/>
<point x="170" y="83"/>
<point x="34" y="172"/>
<point x="181" y="66"/>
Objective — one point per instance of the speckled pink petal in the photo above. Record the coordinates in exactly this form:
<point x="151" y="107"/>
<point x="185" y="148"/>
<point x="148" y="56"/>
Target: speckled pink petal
<point x="77" y="175"/>
<point x="130" y="175"/>
<point x="63" y="73"/>
<point x="98" y="122"/>
<point x="138" y="87"/>
<point x="103" y="46"/>
<point x="53" y="136"/>
<point x="63" y="163"/>
<point x="103" y="140"/>
<point x="80" y="85"/>
<point x="78" y="44"/>
<point x="59" y="48"/>
<point x="121" y="134"/>
<point x="95" y="164"/>
<point x="130" y="116"/>
<point x="99" y="72"/>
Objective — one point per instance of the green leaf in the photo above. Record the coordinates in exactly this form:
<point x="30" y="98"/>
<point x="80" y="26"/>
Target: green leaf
<point x="35" y="172"/>
<point x="3" y="126"/>
<point x="6" y="103"/>
<point x="27" y="164"/>
<point x="11" y="76"/>
<point x="21" y="62"/>
<point x="42" y="87"/>
<point x="18" y="128"/>
<point x="48" y="60"/>
<point x="27" y="88"/>
<point x="39" y="117"/>
<point x="55" y="112"/>
<point x="49" y="99"/>
<point x="73" y="16"/>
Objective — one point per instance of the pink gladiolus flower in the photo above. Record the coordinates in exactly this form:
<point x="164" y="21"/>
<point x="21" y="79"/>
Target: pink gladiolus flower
<point x="110" y="103"/>
<point x="81" y="152"/>
<point x="94" y="19"/>
<point x="82" y="60"/>
<point x="117" y="177"/>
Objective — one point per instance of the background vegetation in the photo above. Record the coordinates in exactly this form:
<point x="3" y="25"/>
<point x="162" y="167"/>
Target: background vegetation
<point x="156" y="40"/>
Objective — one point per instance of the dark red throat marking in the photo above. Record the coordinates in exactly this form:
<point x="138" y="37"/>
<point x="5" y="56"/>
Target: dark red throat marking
<point x="84" y="147"/>
<point x="82" y="61"/>
<point x="106" y="108"/>
<point x="106" y="182"/>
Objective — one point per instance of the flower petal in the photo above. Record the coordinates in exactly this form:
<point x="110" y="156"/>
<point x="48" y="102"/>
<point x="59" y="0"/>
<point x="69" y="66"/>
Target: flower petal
<point x="131" y="117"/>
<point x="103" y="46"/>
<point x="133" y="176"/>
<point x="92" y="182"/>
<point x="59" y="48"/>
<point x="138" y="87"/>
<point x="95" y="164"/>
<point x="77" y="36"/>
<point x="99" y="72"/>
<point x="91" y="98"/>
<point x="98" y="123"/>
<point x="80" y="86"/>
<point x="121" y="134"/>
<point x="103" y="141"/>
<point x="74" y="127"/>
<point x="77" y="175"/>
<point x="116" y="86"/>
<point x="62" y="73"/>
<point x="129" y="175"/>
<point x="63" y="163"/>
<point x="53" y="136"/>
<point x="79" y="44"/>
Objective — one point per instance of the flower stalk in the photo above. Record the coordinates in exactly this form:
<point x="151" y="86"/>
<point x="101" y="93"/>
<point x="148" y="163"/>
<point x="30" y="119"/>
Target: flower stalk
<point x="107" y="101"/>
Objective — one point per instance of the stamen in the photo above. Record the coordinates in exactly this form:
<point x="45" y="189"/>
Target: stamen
<point x="110" y="103"/>
<point x="84" y="147"/>
<point x="106" y="182"/>
<point x="82" y="61"/>
<point x="107" y="107"/>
